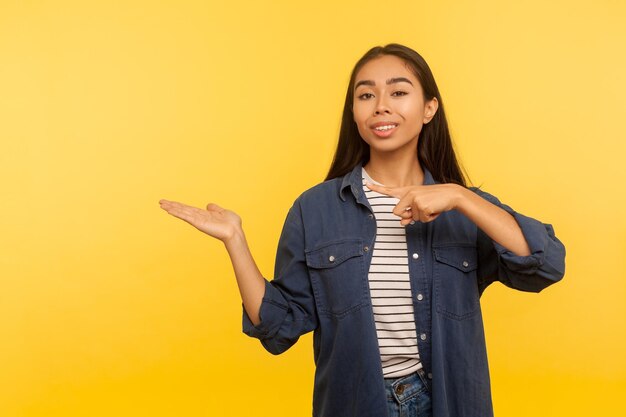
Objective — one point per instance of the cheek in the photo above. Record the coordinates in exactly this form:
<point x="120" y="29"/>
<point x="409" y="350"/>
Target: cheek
<point x="410" y="109"/>
<point x="361" y="126"/>
<point x="359" y="113"/>
<point x="362" y="132"/>
<point x="360" y="118"/>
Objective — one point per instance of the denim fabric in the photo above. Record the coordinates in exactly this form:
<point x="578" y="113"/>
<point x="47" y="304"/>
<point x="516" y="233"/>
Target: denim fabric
<point x="321" y="284"/>
<point x="409" y="396"/>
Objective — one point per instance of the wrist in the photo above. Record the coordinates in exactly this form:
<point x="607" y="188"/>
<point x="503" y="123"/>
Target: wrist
<point x="235" y="239"/>
<point x="460" y="197"/>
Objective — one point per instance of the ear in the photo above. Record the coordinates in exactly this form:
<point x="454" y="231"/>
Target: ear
<point x="430" y="109"/>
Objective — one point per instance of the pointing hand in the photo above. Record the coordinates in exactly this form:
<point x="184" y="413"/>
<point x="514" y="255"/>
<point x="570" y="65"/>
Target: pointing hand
<point x="422" y="203"/>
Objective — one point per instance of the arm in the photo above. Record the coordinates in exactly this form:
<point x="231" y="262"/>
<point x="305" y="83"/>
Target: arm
<point x="249" y="279"/>
<point x="288" y="308"/>
<point x="276" y="312"/>
<point x="225" y="225"/>
<point x="496" y="222"/>
<point x="517" y="250"/>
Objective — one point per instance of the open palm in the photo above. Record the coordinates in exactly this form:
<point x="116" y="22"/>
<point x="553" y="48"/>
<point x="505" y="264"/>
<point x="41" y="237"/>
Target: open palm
<point x="214" y="221"/>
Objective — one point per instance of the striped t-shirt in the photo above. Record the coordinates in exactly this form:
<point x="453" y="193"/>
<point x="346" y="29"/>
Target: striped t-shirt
<point x="390" y="288"/>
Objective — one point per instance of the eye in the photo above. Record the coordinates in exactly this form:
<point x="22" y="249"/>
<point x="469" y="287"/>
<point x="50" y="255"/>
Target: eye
<point x="401" y="93"/>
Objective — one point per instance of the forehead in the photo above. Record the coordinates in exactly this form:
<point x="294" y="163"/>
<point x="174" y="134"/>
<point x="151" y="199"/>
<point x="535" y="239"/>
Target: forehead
<point x="384" y="67"/>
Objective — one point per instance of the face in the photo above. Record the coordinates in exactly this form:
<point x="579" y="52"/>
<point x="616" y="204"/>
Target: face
<point x="390" y="99"/>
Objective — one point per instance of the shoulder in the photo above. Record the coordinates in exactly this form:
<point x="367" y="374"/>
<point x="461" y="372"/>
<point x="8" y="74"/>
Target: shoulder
<point x="325" y="191"/>
<point x="314" y="201"/>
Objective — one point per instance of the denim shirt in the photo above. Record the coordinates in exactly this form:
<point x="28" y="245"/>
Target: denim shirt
<point x="321" y="284"/>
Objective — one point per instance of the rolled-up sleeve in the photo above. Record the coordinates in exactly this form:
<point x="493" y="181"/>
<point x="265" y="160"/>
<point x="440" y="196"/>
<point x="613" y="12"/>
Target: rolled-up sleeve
<point x="543" y="267"/>
<point x="288" y="307"/>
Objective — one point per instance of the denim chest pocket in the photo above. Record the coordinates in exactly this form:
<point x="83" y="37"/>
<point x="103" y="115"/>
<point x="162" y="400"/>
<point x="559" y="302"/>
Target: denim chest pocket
<point x="455" y="283"/>
<point x="338" y="279"/>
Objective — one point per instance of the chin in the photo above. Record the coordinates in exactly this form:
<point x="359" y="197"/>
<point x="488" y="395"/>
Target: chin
<point x="390" y="145"/>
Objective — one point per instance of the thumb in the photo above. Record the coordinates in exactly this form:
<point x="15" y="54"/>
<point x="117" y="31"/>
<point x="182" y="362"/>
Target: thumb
<point x="213" y="207"/>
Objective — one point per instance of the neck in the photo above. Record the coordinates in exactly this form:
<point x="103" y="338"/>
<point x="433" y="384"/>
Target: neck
<point x="396" y="170"/>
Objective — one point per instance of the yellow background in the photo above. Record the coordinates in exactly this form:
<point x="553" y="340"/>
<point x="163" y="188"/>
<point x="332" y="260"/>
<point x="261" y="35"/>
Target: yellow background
<point x="110" y="306"/>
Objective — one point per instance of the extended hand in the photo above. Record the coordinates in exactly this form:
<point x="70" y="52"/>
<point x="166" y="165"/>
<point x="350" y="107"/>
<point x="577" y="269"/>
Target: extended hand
<point x="214" y="221"/>
<point x="422" y="203"/>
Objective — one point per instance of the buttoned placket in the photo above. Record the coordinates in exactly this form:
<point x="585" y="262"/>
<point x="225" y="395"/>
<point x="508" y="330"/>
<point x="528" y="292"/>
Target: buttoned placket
<point x="420" y="285"/>
<point x="416" y="236"/>
<point x="369" y="242"/>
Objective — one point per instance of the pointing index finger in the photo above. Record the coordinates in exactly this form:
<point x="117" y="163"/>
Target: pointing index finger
<point x="376" y="187"/>
<point x="384" y="190"/>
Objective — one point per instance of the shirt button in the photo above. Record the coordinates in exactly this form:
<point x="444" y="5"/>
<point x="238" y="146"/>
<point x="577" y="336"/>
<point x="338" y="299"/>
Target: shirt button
<point x="371" y="216"/>
<point x="331" y="258"/>
<point x="415" y="255"/>
<point x="465" y="264"/>
<point x="430" y="376"/>
<point x="423" y="336"/>
<point x="366" y="248"/>
<point x="420" y="297"/>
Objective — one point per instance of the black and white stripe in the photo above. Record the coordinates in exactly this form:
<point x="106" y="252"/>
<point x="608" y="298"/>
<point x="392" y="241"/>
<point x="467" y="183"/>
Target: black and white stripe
<point x="390" y="288"/>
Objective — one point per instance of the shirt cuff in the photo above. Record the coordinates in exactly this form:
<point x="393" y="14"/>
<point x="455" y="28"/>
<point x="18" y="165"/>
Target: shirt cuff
<point x="536" y="234"/>
<point x="272" y="313"/>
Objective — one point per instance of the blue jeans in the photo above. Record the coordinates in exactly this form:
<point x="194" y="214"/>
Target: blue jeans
<point x="409" y="396"/>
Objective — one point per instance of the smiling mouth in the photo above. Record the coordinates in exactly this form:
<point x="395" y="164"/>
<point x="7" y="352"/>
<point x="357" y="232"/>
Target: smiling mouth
<point x="384" y="131"/>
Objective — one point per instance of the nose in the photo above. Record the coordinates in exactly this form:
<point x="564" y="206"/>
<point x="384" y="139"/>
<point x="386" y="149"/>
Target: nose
<point x="382" y="106"/>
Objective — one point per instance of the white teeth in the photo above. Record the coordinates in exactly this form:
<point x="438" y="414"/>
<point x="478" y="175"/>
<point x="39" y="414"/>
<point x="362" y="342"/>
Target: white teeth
<point x="385" y="127"/>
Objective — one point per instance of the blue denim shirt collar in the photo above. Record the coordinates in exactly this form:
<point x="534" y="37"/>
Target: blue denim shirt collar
<point x="354" y="180"/>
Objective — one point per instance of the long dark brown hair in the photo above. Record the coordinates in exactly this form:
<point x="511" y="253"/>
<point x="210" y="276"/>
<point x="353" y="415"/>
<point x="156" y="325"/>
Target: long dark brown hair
<point x="434" y="147"/>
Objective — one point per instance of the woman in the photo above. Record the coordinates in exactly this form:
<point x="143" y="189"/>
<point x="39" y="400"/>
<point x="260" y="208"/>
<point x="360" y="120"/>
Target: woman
<point x="386" y="259"/>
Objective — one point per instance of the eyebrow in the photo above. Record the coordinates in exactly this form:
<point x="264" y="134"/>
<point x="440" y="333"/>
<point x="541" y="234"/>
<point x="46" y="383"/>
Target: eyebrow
<point x="389" y="81"/>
